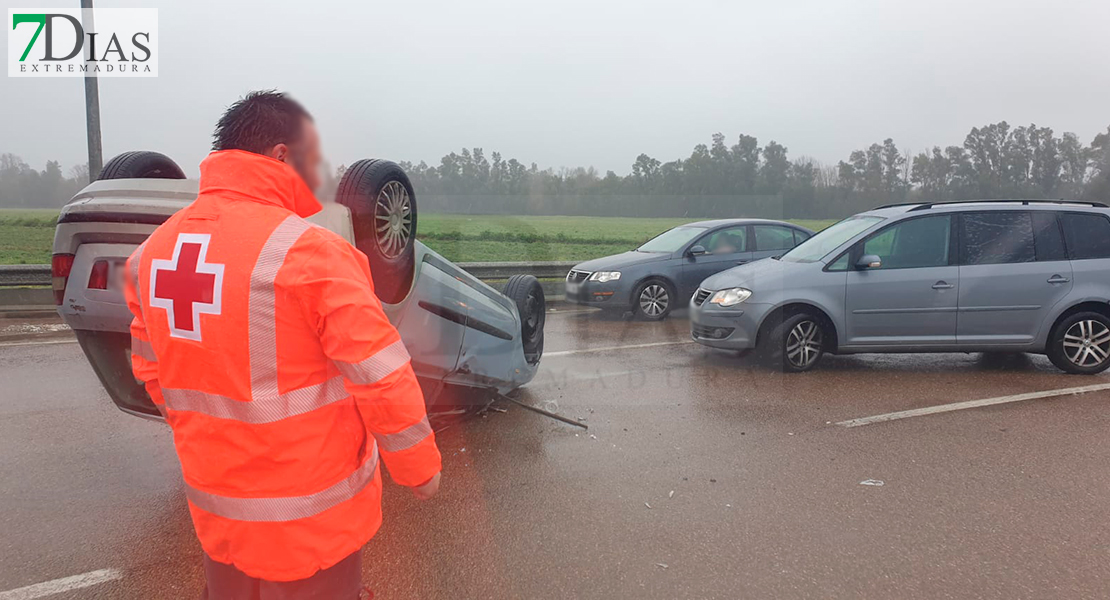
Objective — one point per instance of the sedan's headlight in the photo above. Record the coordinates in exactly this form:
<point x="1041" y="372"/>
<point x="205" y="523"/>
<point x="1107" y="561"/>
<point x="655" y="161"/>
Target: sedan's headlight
<point x="603" y="276"/>
<point x="730" y="297"/>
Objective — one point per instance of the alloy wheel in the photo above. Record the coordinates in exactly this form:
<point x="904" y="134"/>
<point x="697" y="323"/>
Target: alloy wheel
<point x="393" y="214"/>
<point x="803" y="344"/>
<point x="654" y="300"/>
<point x="1087" y="343"/>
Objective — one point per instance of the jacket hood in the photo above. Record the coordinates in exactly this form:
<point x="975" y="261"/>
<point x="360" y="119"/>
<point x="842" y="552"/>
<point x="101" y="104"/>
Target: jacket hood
<point x="767" y="273"/>
<point x="249" y="176"/>
<point x="618" y="261"/>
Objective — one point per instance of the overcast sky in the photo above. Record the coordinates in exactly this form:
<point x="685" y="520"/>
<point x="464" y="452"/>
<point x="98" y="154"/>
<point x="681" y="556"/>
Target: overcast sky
<point x="590" y="82"/>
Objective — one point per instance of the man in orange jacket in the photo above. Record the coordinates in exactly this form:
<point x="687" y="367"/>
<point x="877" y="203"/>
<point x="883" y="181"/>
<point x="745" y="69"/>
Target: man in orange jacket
<point x="260" y="339"/>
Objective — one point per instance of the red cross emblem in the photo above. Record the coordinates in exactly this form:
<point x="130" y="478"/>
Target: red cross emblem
<point x="186" y="286"/>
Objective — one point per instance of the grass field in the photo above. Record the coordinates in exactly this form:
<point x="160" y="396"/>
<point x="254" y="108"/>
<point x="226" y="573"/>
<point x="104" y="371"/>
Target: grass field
<point x="26" y="236"/>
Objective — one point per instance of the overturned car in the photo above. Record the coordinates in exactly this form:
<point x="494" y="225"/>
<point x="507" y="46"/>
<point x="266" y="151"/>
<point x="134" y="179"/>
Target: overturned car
<point x="465" y="338"/>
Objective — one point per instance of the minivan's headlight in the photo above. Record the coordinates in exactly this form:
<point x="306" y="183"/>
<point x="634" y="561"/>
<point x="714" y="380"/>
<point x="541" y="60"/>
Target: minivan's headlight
<point x="603" y="276"/>
<point x="730" y="297"/>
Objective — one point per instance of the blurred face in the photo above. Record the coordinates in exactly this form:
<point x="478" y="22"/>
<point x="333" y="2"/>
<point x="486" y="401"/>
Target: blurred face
<point x="304" y="155"/>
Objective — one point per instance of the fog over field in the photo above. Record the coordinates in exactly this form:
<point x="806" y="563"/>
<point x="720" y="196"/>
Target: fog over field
<point x="586" y="83"/>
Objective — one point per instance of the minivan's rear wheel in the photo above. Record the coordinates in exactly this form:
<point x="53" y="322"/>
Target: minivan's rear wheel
<point x="141" y="164"/>
<point x="653" y="300"/>
<point x="796" y="344"/>
<point x="526" y="292"/>
<point x="383" y="213"/>
<point x="1080" y="344"/>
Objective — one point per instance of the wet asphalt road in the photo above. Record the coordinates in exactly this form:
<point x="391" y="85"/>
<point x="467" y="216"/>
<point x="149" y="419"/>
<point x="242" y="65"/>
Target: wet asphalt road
<point x="1008" y="501"/>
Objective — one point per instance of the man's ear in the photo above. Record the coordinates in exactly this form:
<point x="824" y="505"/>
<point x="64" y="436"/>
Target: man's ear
<point x="280" y="152"/>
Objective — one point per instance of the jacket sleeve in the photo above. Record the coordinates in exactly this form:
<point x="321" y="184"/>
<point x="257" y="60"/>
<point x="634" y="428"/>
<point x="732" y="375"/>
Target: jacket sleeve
<point x="143" y="361"/>
<point x="338" y="297"/>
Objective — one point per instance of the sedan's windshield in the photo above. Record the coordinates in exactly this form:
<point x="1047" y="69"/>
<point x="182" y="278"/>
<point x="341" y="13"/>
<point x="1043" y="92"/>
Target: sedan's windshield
<point x="670" y="241"/>
<point x="828" y="240"/>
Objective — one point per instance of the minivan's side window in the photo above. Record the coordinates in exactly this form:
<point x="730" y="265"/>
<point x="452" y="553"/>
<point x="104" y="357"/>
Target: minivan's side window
<point x="769" y="237"/>
<point x="1088" y="235"/>
<point x="913" y="243"/>
<point x="996" y="237"/>
<point x="1048" y="237"/>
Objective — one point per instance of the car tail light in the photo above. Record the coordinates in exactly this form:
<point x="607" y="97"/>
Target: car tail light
<point x="60" y="266"/>
<point x="98" y="277"/>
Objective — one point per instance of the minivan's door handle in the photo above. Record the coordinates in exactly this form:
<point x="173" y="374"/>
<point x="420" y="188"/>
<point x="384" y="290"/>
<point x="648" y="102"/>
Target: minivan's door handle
<point x="1058" y="279"/>
<point x="942" y="285"/>
<point x="743" y="261"/>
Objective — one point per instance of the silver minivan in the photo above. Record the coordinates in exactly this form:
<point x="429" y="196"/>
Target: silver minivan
<point x="971" y="276"/>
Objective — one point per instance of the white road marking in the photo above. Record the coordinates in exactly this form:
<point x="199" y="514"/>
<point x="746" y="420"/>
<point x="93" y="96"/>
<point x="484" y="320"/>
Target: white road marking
<point x="943" y="408"/>
<point x="65" y="584"/>
<point x="43" y="343"/>
<point x="608" y="348"/>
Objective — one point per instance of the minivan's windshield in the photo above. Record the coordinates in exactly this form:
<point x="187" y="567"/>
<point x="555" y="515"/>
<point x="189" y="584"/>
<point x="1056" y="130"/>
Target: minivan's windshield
<point x="827" y="240"/>
<point x="670" y="241"/>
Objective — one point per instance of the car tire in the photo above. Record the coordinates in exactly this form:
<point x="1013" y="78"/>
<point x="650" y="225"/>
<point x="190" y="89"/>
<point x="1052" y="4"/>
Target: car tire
<point x="795" y="344"/>
<point x="383" y="214"/>
<point x="1080" y="344"/>
<point x="527" y="294"/>
<point x="140" y="164"/>
<point x="653" y="300"/>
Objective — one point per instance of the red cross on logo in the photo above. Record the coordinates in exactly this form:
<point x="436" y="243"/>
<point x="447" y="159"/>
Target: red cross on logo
<point x="186" y="286"/>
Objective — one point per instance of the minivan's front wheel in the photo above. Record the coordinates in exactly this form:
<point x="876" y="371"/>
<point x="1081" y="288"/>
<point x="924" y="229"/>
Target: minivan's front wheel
<point x="796" y="344"/>
<point x="1080" y="344"/>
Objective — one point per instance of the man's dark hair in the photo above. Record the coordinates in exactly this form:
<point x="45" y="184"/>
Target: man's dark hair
<point x="259" y="121"/>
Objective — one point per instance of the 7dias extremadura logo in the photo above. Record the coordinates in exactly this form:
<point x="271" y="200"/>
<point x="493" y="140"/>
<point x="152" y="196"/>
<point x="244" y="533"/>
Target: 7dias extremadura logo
<point x="71" y="42"/>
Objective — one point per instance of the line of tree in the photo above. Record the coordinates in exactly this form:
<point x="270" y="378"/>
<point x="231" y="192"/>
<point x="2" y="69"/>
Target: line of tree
<point x="718" y="179"/>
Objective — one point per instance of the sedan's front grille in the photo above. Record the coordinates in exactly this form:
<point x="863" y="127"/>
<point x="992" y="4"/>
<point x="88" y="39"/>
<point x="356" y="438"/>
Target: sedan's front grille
<point x="577" y="276"/>
<point x="701" y="296"/>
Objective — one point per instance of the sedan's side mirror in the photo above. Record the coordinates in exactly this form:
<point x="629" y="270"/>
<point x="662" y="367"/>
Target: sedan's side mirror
<point x="696" y="250"/>
<point x="869" y="261"/>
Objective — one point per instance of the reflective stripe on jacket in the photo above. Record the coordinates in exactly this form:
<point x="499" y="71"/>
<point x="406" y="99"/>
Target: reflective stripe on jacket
<point x="260" y="339"/>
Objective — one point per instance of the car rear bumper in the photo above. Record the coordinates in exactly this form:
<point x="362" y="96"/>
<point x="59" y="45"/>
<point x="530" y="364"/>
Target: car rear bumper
<point x="730" y="329"/>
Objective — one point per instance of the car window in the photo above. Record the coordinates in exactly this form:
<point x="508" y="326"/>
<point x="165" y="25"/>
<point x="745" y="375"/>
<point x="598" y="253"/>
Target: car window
<point x="671" y="240"/>
<point x="770" y="237"/>
<point x="830" y="238"/>
<point x="1048" y="237"/>
<point x="996" y="237"/>
<point x="729" y="240"/>
<point x="914" y="243"/>
<point x="800" y="236"/>
<point x="1087" y="235"/>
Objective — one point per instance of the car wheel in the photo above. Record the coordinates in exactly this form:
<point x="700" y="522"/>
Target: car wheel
<point x="1080" y="344"/>
<point x="653" y="300"/>
<point x="796" y="344"/>
<point x="526" y="292"/>
<point x="383" y="214"/>
<point x="141" y="164"/>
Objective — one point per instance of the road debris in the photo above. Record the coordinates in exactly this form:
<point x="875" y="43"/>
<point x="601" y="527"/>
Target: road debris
<point x="874" y="482"/>
<point x="662" y="565"/>
<point x="671" y="495"/>
<point x="647" y="505"/>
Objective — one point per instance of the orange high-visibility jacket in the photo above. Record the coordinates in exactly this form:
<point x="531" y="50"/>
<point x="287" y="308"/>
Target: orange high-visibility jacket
<point x="259" y="337"/>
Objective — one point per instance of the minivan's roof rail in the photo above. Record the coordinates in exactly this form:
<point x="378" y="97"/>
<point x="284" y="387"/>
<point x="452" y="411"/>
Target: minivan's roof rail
<point x="927" y="205"/>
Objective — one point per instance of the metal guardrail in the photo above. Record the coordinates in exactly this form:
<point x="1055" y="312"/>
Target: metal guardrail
<point x="20" y="275"/>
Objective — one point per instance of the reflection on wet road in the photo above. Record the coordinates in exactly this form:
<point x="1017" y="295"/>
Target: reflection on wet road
<point x="702" y="475"/>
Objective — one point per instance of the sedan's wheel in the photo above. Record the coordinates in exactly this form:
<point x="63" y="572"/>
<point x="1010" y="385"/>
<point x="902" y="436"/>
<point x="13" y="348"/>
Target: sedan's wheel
<point x="797" y="344"/>
<point x="383" y="214"/>
<point x="1081" y="344"/>
<point x="653" y="300"/>
<point x="526" y="292"/>
<point x="140" y="164"/>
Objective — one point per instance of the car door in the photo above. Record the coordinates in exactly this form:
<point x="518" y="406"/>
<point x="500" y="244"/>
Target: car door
<point x="772" y="240"/>
<point x="1013" y="270"/>
<point x="724" y="248"/>
<point x="911" y="299"/>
